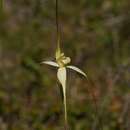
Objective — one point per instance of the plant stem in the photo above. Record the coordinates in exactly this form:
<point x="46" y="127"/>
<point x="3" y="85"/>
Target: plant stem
<point x="57" y="26"/>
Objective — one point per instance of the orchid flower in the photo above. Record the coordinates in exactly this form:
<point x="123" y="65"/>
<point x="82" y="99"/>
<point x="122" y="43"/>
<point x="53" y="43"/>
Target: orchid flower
<point x="62" y="64"/>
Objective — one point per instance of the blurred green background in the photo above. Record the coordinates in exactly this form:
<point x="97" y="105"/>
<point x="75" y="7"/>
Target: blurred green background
<point x="95" y="33"/>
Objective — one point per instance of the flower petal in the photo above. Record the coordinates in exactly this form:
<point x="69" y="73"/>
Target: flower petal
<point x="51" y="63"/>
<point x="77" y="70"/>
<point x="61" y="74"/>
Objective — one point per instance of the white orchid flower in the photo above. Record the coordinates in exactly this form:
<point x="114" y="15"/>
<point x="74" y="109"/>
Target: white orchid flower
<point x="62" y="64"/>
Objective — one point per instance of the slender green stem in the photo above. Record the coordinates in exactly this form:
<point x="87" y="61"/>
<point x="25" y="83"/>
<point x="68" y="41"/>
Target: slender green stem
<point x="57" y="26"/>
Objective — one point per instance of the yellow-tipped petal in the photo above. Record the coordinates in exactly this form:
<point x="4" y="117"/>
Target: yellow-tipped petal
<point x="61" y="74"/>
<point x="77" y="70"/>
<point x="51" y="63"/>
